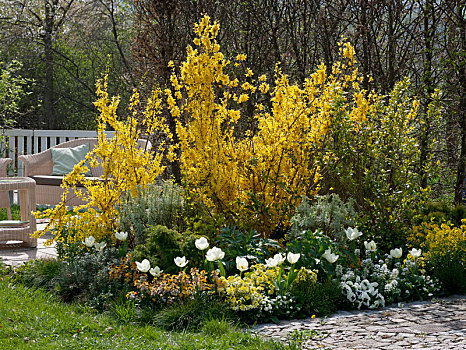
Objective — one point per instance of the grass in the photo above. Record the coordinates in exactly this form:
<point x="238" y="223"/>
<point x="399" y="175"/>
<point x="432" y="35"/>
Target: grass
<point x="33" y="319"/>
<point x="15" y="213"/>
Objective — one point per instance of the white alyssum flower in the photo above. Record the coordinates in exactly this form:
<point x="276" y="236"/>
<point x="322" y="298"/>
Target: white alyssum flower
<point x="293" y="258"/>
<point x="181" y="262"/>
<point x="370" y="246"/>
<point x="202" y="243"/>
<point x="156" y="271"/>
<point x="242" y="263"/>
<point x="329" y="256"/>
<point x="415" y="253"/>
<point x="143" y="266"/>
<point x="121" y="236"/>
<point x="89" y="241"/>
<point x="352" y="233"/>
<point x="100" y="246"/>
<point x="396" y="253"/>
<point x="214" y="254"/>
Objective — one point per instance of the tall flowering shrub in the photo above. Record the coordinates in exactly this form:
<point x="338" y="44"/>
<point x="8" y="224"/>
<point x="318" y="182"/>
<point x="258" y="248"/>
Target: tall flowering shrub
<point x="127" y="165"/>
<point x="260" y="175"/>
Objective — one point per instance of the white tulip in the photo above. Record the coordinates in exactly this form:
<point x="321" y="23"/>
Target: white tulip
<point x="352" y="233"/>
<point x="214" y="254"/>
<point x="271" y="262"/>
<point x="293" y="258"/>
<point x="331" y="258"/>
<point x="181" y="262"/>
<point x="396" y="253"/>
<point x="100" y="246"/>
<point x="89" y="241"/>
<point x="143" y="266"/>
<point x="156" y="271"/>
<point x="242" y="264"/>
<point x="415" y="253"/>
<point x="371" y="246"/>
<point x="279" y="258"/>
<point x="202" y="243"/>
<point x="121" y="236"/>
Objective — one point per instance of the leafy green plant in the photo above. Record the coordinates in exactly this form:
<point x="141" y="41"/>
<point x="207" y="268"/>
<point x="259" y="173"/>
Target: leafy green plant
<point x="191" y="314"/>
<point x="248" y="244"/>
<point x="321" y="298"/>
<point x="328" y="213"/>
<point x="163" y="245"/>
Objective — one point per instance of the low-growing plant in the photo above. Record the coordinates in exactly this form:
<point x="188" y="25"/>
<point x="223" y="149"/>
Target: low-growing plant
<point x="327" y="213"/>
<point x="194" y="314"/>
<point x="317" y="298"/>
<point x="384" y="279"/>
<point x="38" y="273"/>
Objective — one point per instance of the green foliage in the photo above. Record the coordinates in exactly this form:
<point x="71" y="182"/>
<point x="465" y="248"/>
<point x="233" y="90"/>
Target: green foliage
<point x="39" y="273"/>
<point x="15" y="213"/>
<point x="438" y="213"/>
<point x="153" y="205"/>
<point x="191" y="314"/>
<point x="247" y="244"/>
<point x="84" y="278"/>
<point x="321" y="298"/>
<point x="378" y="166"/>
<point x="329" y="214"/>
<point x="68" y="248"/>
<point x="311" y="246"/>
<point x="12" y="89"/>
<point x="32" y="319"/>
<point x="164" y="245"/>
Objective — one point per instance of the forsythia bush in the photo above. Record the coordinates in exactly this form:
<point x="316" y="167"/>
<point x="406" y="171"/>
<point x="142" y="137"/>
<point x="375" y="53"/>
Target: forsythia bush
<point x="441" y="241"/>
<point x="258" y="176"/>
<point x="444" y="249"/>
<point x="126" y="162"/>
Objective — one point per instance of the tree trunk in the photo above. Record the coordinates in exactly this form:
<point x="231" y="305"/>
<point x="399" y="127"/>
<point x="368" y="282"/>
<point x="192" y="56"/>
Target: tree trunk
<point x="49" y="93"/>
<point x="461" y="57"/>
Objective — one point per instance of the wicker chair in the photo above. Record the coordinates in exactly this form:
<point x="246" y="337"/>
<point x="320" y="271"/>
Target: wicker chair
<point x="39" y="166"/>
<point x="4" y="197"/>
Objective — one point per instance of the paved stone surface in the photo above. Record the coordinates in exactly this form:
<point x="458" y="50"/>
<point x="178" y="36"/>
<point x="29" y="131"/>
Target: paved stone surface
<point x="13" y="254"/>
<point x="437" y="324"/>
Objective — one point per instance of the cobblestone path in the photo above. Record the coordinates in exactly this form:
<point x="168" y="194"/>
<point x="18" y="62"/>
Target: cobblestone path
<point x="437" y="324"/>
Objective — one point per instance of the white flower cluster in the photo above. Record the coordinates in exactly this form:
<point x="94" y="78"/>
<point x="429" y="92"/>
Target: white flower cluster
<point x="380" y="281"/>
<point x="362" y="292"/>
<point x="285" y="305"/>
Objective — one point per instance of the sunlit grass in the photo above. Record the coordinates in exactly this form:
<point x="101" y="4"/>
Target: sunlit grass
<point x="33" y="319"/>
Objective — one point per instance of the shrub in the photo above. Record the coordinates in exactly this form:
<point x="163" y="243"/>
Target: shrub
<point x="126" y="167"/>
<point x="153" y="205"/>
<point x="317" y="298"/>
<point x="328" y="213"/>
<point x="164" y="245"/>
<point x="444" y="247"/>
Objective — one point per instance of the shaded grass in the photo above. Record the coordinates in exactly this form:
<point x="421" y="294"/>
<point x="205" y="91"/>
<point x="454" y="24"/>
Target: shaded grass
<point x="33" y="319"/>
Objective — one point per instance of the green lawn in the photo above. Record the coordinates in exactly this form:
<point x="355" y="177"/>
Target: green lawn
<point x="32" y="319"/>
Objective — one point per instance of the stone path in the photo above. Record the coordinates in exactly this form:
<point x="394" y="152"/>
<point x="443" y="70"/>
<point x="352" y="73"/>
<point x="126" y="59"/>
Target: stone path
<point x="13" y="254"/>
<point x="437" y="324"/>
